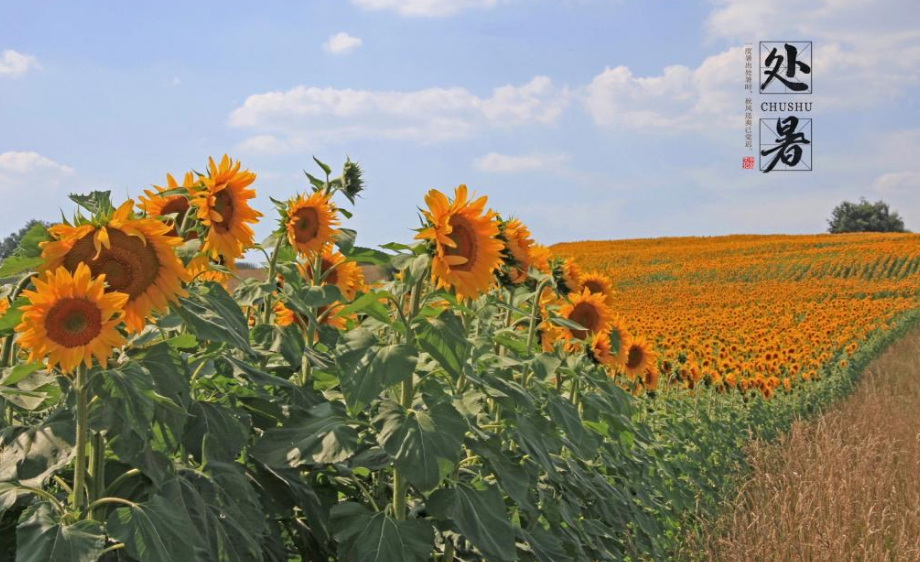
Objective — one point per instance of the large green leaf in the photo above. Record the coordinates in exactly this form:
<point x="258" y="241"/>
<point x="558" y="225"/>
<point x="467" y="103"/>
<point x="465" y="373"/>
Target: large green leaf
<point x="42" y="537"/>
<point x="445" y="340"/>
<point x="364" y="536"/>
<point x="480" y="516"/>
<point x="32" y="455"/>
<point x="424" y="445"/>
<point x="153" y="531"/>
<point x="213" y="315"/>
<point x="225" y="429"/>
<point x="285" y="340"/>
<point x="366" y="368"/>
<point x="323" y="437"/>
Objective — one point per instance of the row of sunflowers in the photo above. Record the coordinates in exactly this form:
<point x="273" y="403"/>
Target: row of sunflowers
<point x="476" y="404"/>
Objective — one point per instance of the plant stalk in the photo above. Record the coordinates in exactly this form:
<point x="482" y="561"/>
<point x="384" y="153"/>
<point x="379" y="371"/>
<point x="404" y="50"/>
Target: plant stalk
<point x="408" y="393"/>
<point x="79" y="477"/>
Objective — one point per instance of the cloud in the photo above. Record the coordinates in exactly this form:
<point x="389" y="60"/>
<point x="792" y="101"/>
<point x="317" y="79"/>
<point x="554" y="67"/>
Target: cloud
<point x="426" y="8"/>
<point x="677" y="100"/>
<point x="293" y="119"/>
<point x="509" y="164"/>
<point x="15" y="64"/>
<point x="21" y="163"/>
<point x="342" y="43"/>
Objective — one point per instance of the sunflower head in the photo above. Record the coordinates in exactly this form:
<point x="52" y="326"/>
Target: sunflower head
<point x="568" y="276"/>
<point x="70" y="319"/>
<point x="588" y="310"/>
<point x="518" y="245"/>
<point x="597" y="282"/>
<point x="222" y="203"/>
<point x="136" y="255"/>
<point x="310" y="223"/>
<point x="463" y="238"/>
<point x="337" y="270"/>
<point x="639" y="358"/>
<point x="162" y="202"/>
<point x="601" y="350"/>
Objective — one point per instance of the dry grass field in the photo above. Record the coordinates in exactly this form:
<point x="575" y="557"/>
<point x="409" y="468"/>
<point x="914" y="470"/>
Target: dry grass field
<point x="844" y="487"/>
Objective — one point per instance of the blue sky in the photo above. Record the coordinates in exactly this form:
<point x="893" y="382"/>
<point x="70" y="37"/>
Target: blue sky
<point x="587" y="119"/>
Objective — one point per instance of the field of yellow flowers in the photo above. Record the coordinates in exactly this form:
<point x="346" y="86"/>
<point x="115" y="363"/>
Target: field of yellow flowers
<point x="494" y="399"/>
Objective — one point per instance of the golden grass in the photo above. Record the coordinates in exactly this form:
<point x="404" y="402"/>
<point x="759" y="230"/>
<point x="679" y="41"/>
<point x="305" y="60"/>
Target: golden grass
<point x="844" y="487"/>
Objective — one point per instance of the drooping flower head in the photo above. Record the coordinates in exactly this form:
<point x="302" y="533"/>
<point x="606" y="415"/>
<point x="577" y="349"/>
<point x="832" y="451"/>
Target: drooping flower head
<point x="158" y="203"/>
<point x="222" y="203"/>
<point x="311" y="223"/>
<point x="568" y="276"/>
<point x="600" y="350"/>
<point x="136" y="255"/>
<point x="70" y="318"/>
<point x="465" y="247"/>
<point x="518" y="245"/>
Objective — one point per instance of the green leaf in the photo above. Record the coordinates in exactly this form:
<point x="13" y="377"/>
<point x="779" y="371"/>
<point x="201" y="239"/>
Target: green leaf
<point x="246" y="372"/>
<point x="445" y="340"/>
<point x="368" y="256"/>
<point x="325" y="167"/>
<point x="545" y="546"/>
<point x="41" y="536"/>
<point x="345" y="240"/>
<point x="213" y="315"/>
<point x="479" y="513"/>
<point x="17" y="264"/>
<point x="424" y="445"/>
<point x="32" y="455"/>
<point x="324" y="437"/>
<point x="365" y="368"/>
<point x="286" y="340"/>
<point x="94" y="202"/>
<point x="306" y="300"/>
<point x="153" y="531"/>
<point x="12" y="317"/>
<point x="368" y="303"/>
<point x="364" y="536"/>
<point x="19" y="372"/>
<point x="226" y="430"/>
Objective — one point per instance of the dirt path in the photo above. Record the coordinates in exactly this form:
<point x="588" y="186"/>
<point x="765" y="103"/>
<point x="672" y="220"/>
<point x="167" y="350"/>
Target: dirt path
<point x="845" y="487"/>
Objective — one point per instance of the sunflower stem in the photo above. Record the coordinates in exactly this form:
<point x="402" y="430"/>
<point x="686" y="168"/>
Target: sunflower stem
<point x="79" y="477"/>
<point x="97" y="470"/>
<point x="272" y="266"/>
<point x="532" y="330"/>
<point x="408" y="393"/>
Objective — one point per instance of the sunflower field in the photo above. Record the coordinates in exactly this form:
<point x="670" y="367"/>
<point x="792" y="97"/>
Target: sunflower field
<point x="491" y="399"/>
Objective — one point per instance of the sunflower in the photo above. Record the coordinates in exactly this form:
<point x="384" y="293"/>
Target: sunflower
<point x="136" y="256"/>
<point x="600" y="350"/>
<point x="568" y="277"/>
<point x="331" y="315"/>
<point x="619" y="338"/>
<point x="337" y="270"/>
<point x="466" y="250"/>
<point x="597" y="282"/>
<point x="222" y="203"/>
<point x="639" y="357"/>
<point x="155" y="204"/>
<point x="70" y="318"/>
<point x="518" y="242"/>
<point x="310" y="223"/>
<point x="586" y="309"/>
<point x="4" y="306"/>
<point x="540" y="257"/>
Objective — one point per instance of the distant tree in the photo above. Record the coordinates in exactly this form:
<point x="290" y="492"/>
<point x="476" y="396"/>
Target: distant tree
<point x="11" y="242"/>
<point x="864" y="217"/>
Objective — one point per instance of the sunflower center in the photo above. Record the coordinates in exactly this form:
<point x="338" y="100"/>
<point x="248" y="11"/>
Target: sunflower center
<point x="178" y="206"/>
<point x="306" y="225"/>
<point x="594" y="286"/>
<point x="129" y="265"/>
<point x="634" y="357"/>
<point x="586" y="315"/>
<point x="73" y="322"/>
<point x="223" y="204"/>
<point x="464" y="238"/>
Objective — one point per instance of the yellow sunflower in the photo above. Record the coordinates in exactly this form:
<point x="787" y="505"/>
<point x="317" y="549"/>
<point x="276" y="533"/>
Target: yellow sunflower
<point x="310" y="223"/>
<point x="639" y="357"/>
<point x="223" y="207"/>
<point x="155" y="204"/>
<point x="588" y="310"/>
<point x="4" y="306"/>
<point x="540" y="257"/>
<point x="71" y="318"/>
<point x="337" y="270"/>
<point x="601" y="350"/>
<point x="466" y="248"/>
<point x="597" y="282"/>
<point x="518" y="242"/>
<point x="570" y="274"/>
<point x="136" y="255"/>
<point x="284" y="316"/>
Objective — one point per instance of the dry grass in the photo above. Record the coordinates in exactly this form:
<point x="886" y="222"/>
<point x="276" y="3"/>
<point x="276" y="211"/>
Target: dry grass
<point x="845" y="487"/>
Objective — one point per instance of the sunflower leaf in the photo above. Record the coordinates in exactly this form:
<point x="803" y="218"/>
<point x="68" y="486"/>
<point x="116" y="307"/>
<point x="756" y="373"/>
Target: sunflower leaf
<point x="42" y="536"/>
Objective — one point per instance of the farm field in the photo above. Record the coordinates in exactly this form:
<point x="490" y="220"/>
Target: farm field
<point x="487" y="399"/>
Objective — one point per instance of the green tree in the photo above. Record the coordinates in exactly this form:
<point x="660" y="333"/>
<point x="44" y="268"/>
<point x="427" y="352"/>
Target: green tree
<point x="864" y="217"/>
<point x="11" y="242"/>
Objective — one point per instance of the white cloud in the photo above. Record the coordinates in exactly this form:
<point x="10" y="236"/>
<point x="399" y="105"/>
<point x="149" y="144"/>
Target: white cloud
<point x="897" y="182"/>
<point x="292" y="119"/>
<point x="29" y="162"/>
<point x="678" y="100"/>
<point x="497" y="163"/>
<point x="426" y="8"/>
<point x="342" y="43"/>
<point x="15" y="64"/>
